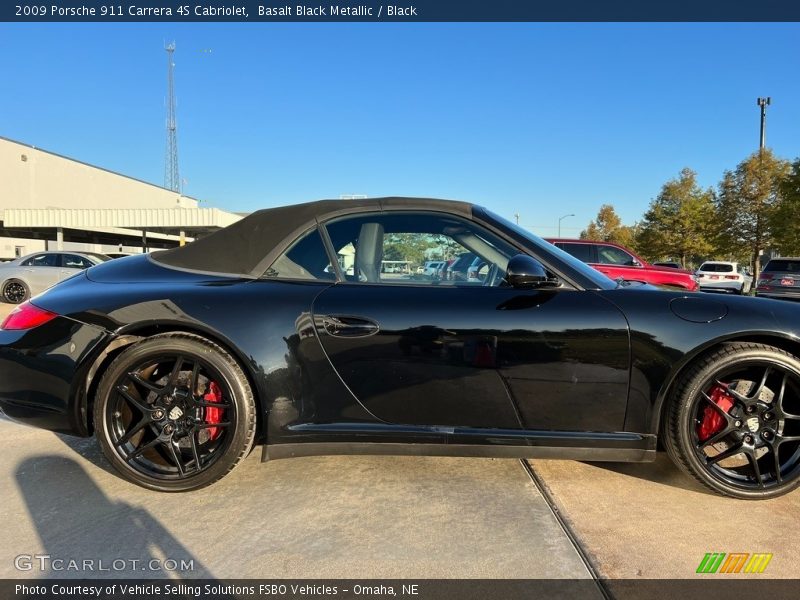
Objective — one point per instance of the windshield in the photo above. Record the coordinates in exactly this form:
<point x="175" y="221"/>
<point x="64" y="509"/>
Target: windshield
<point x="546" y="248"/>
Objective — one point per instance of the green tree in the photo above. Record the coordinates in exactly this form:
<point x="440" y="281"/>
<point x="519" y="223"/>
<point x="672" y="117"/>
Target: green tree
<point x="680" y="222"/>
<point x="748" y="199"/>
<point x="608" y="227"/>
<point x="604" y="227"/>
<point x="785" y="223"/>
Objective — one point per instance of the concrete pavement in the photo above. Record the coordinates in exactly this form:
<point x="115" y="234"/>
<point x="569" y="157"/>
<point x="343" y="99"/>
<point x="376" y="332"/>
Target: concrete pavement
<point x="343" y="517"/>
<point x="652" y="521"/>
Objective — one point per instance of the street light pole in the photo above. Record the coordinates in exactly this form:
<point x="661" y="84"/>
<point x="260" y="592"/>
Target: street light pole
<point x="559" y="222"/>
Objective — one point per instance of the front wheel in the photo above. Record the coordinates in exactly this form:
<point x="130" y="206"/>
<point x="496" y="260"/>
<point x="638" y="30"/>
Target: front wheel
<point x="174" y="412"/>
<point x="734" y="421"/>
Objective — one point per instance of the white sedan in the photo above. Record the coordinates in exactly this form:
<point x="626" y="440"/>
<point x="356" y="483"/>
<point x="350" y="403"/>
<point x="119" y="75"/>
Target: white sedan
<point x="27" y="276"/>
<point x="722" y="276"/>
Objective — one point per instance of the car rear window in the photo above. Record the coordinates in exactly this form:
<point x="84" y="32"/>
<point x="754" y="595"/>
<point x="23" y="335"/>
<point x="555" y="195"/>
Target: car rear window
<point x="716" y="268"/>
<point x="788" y="266"/>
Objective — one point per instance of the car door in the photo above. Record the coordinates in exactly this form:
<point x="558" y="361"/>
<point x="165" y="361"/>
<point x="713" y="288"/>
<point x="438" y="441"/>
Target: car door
<point x="71" y="264"/>
<point x="472" y="355"/>
<point x="40" y="271"/>
<point x="616" y="263"/>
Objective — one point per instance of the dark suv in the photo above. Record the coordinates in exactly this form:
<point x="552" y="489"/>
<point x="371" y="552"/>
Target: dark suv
<point x="620" y="263"/>
<point x="780" y="279"/>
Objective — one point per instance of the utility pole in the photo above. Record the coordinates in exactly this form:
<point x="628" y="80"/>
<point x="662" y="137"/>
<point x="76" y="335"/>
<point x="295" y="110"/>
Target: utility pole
<point x="172" y="179"/>
<point x="516" y="218"/>
<point x="763" y="103"/>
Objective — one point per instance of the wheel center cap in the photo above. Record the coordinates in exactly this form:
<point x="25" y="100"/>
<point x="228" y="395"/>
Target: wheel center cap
<point x="753" y="423"/>
<point x="176" y="413"/>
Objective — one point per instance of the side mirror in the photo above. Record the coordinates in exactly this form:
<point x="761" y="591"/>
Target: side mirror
<point x="525" y="273"/>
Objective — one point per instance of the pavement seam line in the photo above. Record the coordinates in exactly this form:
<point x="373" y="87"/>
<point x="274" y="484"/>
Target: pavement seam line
<point x="566" y="528"/>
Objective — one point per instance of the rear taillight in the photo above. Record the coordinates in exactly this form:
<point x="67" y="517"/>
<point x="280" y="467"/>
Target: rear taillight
<point x="27" y="316"/>
<point x="731" y="277"/>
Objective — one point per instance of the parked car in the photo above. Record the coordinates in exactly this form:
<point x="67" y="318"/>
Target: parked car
<point x="619" y="262"/>
<point x="441" y="271"/>
<point x="179" y="362"/>
<point x="671" y="265"/>
<point x="722" y="276"/>
<point x="458" y="269"/>
<point x="780" y="279"/>
<point x="29" y="275"/>
<point x="477" y="270"/>
<point x="432" y="267"/>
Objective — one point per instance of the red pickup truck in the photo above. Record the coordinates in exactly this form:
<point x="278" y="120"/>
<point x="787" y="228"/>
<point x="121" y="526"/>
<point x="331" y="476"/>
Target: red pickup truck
<point x="618" y="262"/>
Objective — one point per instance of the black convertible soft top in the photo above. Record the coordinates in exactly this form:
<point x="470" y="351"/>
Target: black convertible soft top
<point x="248" y="247"/>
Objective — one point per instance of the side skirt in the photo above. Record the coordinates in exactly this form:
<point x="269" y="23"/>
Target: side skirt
<point x="293" y="450"/>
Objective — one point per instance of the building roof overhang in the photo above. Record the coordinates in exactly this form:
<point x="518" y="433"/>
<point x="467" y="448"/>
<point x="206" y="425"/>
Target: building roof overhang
<point x="152" y="219"/>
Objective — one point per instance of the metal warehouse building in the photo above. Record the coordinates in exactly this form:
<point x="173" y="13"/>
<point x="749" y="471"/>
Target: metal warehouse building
<point x="51" y="202"/>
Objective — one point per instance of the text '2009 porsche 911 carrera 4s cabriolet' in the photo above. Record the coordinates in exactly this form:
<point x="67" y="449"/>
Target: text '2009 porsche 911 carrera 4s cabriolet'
<point x="315" y="329"/>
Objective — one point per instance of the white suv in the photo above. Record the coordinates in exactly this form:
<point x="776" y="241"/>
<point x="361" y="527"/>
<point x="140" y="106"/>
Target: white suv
<point x="723" y="276"/>
<point x="432" y="267"/>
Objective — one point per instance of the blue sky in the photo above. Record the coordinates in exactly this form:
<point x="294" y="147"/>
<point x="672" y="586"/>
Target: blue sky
<point x="536" y="119"/>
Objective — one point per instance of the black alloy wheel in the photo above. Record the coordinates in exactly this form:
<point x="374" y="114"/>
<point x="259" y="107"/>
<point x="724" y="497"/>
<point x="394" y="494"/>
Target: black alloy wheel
<point x="174" y="413"/>
<point x="734" y="423"/>
<point x="15" y="291"/>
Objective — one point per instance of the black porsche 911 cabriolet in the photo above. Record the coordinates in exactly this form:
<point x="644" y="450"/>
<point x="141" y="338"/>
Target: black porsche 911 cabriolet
<point x="316" y="329"/>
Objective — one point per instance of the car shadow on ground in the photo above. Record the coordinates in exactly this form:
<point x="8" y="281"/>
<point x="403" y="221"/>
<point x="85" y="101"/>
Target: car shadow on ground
<point x="662" y="471"/>
<point x="106" y="538"/>
<point x="88" y="449"/>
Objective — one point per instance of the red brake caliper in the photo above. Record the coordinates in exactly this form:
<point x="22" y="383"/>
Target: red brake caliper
<point x="213" y="415"/>
<point x="713" y="422"/>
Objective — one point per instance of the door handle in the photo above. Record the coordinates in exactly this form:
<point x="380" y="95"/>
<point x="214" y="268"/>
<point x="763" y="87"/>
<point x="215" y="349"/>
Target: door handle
<point x="346" y="326"/>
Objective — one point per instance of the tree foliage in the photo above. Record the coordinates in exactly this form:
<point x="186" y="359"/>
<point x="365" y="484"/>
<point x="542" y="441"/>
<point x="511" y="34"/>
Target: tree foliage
<point x="608" y="227"/>
<point x="785" y="222"/>
<point x="748" y="200"/>
<point x="680" y="221"/>
<point x="417" y="248"/>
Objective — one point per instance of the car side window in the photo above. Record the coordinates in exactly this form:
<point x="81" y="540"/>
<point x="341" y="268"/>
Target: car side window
<point x="611" y="255"/>
<point x="73" y="261"/>
<point x="583" y="252"/>
<point x="305" y="259"/>
<point x="418" y="248"/>
<point x="41" y="260"/>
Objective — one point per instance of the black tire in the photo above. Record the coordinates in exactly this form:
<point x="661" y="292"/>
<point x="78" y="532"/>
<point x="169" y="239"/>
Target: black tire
<point x="15" y="291"/>
<point x="150" y="386"/>
<point x="759" y="433"/>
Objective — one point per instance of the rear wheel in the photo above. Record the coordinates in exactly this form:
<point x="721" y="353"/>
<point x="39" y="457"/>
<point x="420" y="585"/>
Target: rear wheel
<point x="174" y="413"/>
<point x="734" y="421"/>
<point x="15" y="291"/>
